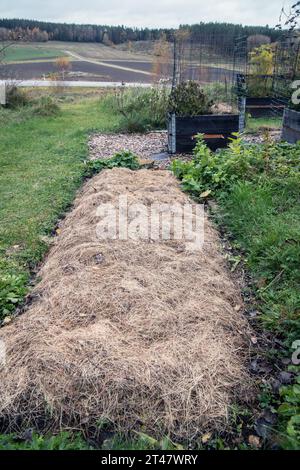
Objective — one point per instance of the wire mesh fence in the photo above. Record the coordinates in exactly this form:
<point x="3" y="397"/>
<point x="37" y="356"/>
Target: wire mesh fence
<point x="207" y="59"/>
<point x="286" y="69"/>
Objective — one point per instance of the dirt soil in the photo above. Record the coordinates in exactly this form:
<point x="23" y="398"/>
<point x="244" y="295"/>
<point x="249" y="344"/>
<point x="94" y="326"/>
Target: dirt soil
<point x="141" y="333"/>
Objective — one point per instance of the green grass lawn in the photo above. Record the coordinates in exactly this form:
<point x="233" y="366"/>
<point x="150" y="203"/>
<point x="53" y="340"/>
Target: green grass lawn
<point x="20" y="52"/>
<point x="40" y="170"/>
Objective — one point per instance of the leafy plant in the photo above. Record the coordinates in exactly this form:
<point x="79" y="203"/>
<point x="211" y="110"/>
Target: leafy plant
<point x="289" y="412"/>
<point x="12" y="291"/>
<point x="141" y="441"/>
<point x="189" y="99"/>
<point x="62" y="441"/>
<point x="217" y="172"/>
<point x="257" y="188"/>
<point x="122" y="159"/>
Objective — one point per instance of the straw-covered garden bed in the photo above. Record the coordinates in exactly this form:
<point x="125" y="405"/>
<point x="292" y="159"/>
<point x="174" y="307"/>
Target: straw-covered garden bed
<point x="136" y="333"/>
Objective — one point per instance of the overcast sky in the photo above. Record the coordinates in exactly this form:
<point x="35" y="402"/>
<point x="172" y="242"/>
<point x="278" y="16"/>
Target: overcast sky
<point x="152" y="13"/>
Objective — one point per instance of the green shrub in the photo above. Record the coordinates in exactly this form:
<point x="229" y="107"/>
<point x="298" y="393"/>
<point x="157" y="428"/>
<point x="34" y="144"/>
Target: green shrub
<point x="46" y="106"/>
<point x="142" y="109"/>
<point x="189" y="99"/>
<point x="217" y="172"/>
<point x="16" y="97"/>
<point x="261" y="67"/>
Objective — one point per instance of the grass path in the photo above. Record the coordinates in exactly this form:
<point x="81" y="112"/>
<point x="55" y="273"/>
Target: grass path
<point x="41" y="168"/>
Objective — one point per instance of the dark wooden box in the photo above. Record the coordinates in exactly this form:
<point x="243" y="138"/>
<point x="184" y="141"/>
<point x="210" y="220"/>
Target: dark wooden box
<point x="291" y="126"/>
<point x="263" y="107"/>
<point x="217" y="130"/>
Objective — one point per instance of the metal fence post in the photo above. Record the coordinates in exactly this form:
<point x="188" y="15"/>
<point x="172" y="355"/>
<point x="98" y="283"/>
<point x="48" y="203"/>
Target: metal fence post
<point x="242" y="110"/>
<point x="172" y="133"/>
<point x="2" y="93"/>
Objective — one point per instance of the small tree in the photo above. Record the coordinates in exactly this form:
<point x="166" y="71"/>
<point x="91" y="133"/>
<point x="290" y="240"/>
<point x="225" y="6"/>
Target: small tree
<point x="162" y="58"/>
<point x="64" y="65"/>
<point x="261" y="68"/>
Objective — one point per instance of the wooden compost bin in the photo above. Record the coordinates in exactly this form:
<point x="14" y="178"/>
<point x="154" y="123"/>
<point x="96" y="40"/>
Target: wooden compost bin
<point x="291" y="126"/>
<point x="263" y="107"/>
<point x="217" y="130"/>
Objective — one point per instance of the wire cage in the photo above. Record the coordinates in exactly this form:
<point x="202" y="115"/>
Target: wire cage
<point x="206" y="59"/>
<point x="286" y="83"/>
<point x="286" y="69"/>
<point x="254" y="85"/>
<point x="210" y="60"/>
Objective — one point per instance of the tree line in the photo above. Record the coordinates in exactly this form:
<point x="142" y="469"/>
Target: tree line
<point x="13" y="29"/>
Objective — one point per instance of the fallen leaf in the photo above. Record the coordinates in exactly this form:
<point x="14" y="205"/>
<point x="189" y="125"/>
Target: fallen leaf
<point x="254" y="340"/>
<point x="206" y="437"/>
<point x="6" y="321"/>
<point x="205" y="193"/>
<point x="237" y="308"/>
<point x="254" y="441"/>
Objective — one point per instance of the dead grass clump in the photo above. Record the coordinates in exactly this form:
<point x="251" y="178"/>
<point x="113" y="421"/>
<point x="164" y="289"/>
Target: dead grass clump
<point x="139" y="333"/>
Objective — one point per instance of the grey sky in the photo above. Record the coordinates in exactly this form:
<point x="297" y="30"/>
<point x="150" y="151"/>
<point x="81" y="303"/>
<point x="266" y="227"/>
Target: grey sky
<point x="169" y="13"/>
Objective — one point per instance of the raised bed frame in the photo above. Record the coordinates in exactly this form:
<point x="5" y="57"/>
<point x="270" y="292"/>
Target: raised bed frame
<point x="217" y="130"/>
<point x="291" y="126"/>
<point x="263" y="107"/>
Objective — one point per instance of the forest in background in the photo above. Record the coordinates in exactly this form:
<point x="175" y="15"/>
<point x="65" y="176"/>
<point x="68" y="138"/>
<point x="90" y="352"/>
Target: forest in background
<point x="32" y="30"/>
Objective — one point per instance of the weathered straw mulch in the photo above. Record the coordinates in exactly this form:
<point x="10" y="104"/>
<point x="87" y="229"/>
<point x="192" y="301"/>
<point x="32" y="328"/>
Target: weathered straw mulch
<point x="139" y="333"/>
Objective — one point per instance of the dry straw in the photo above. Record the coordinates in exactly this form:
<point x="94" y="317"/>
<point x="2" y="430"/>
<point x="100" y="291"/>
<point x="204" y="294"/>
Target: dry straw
<point x="141" y="334"/>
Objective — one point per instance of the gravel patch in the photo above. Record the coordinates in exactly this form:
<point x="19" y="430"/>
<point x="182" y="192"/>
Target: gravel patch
<point x="142" y="145"/>
<point x="259" y="138"/>
<point x="150" y="146"/>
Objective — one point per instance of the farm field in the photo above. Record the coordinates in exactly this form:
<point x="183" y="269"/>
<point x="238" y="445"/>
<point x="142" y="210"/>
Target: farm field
<point x="96" y="62"/>
<point x="25" y="62"/>
<point x="80" y="70"/>
<point x="107" y="70"/>
<point x="23" y="51"/>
